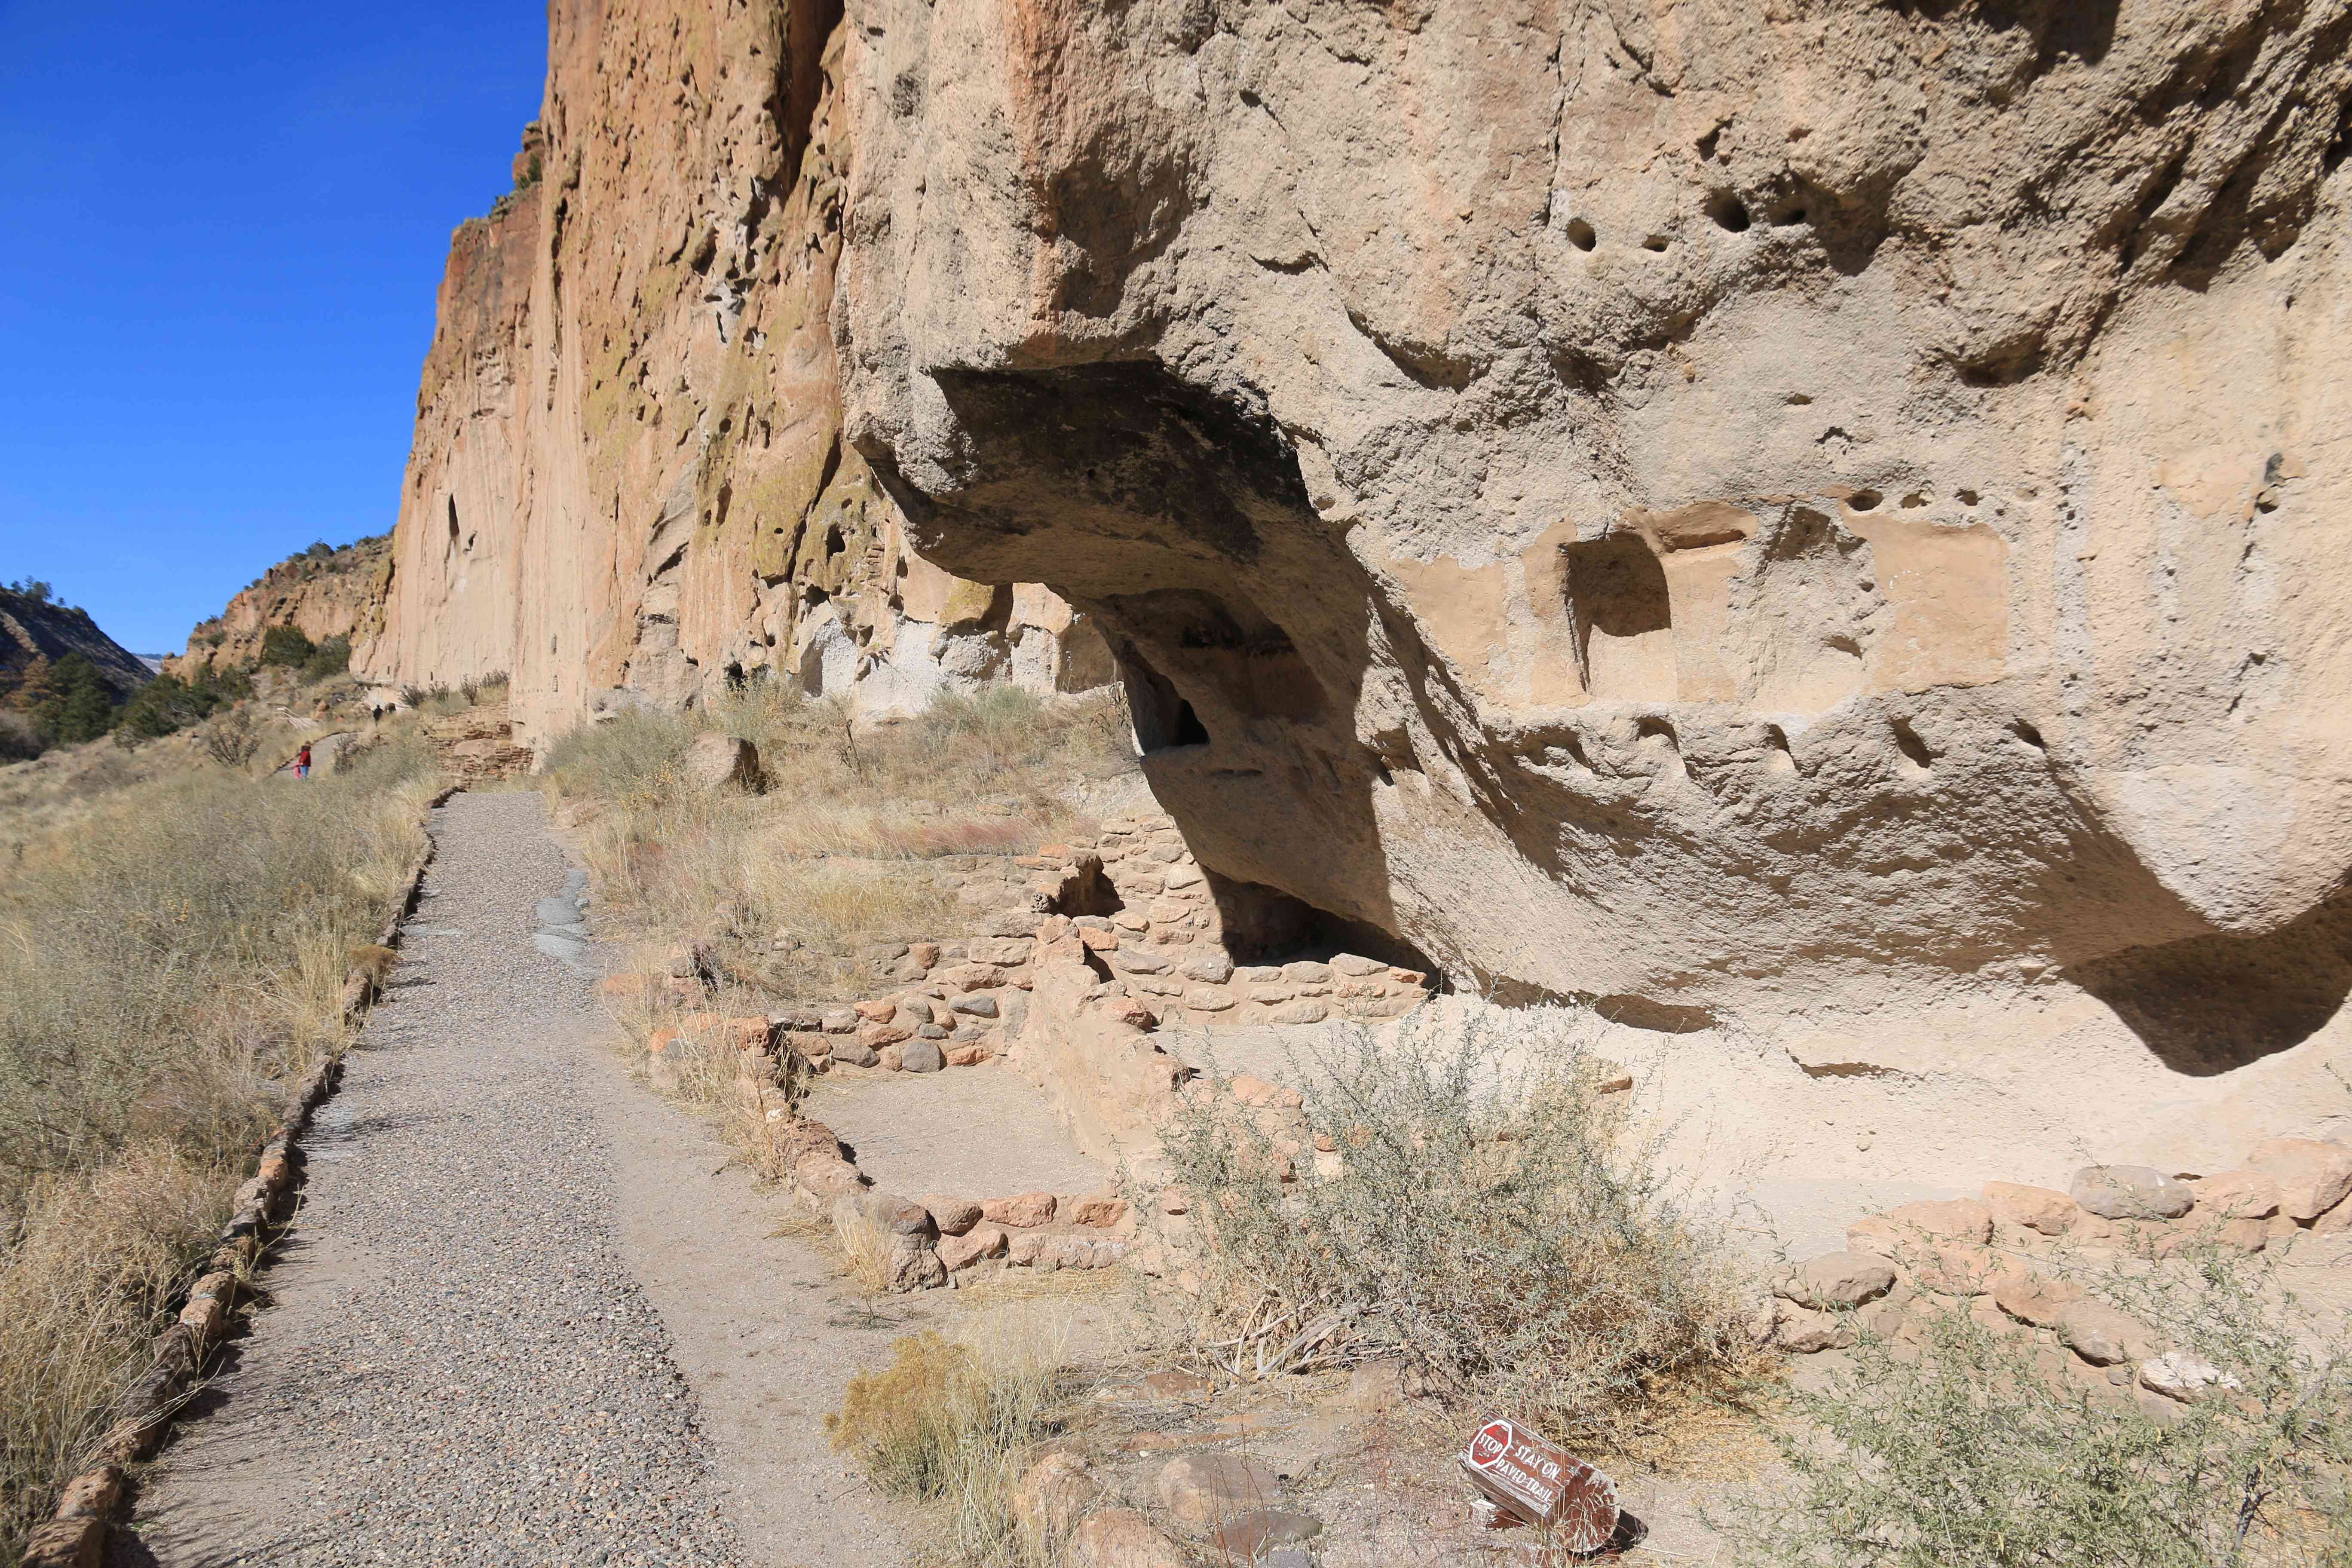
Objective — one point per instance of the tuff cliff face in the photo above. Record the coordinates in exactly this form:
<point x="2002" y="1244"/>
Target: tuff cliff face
<point x="627" y="483"/>
<point x="1819" y="516"/>
<point x="322" y="593"/>
<point x="1809" y="522"/>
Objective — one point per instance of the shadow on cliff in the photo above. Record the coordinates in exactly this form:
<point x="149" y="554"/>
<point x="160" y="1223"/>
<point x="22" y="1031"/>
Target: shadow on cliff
<point x="2209" y="1005"/>
<point x="1179" y="519"/>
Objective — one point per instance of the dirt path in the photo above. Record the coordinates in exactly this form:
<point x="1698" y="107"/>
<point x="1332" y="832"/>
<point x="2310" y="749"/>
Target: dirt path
<point x="529" y="1314"/>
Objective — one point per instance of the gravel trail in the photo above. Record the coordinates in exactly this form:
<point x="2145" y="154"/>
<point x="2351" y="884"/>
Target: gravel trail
<point x="465" y="1362"/>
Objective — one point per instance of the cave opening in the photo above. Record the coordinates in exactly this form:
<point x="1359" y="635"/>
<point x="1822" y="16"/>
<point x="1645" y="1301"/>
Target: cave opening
<point x="1164" y="720"/>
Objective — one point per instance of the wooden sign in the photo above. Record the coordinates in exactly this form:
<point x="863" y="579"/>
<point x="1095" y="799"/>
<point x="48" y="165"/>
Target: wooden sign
<point x="1543" y="1484"/>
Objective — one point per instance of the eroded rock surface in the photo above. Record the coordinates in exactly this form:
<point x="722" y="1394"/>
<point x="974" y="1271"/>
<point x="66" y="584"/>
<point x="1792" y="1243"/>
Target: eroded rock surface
<point x="1818" y="516"/>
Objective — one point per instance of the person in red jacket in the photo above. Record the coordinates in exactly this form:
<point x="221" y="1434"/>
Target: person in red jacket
<point x="302" y="762"/>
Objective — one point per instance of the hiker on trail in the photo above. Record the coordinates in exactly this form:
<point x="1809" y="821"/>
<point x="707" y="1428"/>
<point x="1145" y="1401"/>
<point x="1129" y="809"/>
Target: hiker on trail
<point x="378" y="713"/>
<point x="302" y="762"/>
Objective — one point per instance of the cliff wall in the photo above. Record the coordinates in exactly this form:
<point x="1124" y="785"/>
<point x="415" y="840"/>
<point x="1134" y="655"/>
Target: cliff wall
<point x="1809" y="524"/>
<point x="323" y="593"/>
<point x="627" y="483"/>
<point x="1818" y="517"/>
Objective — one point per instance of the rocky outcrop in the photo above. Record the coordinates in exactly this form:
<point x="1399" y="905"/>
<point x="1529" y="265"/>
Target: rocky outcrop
<point x="322" y="593"/>
<point x="1818" y="516"/>
<point x="1813" y="519"/>
<point x="628" y="483"/>
<point x="35" y="633"/>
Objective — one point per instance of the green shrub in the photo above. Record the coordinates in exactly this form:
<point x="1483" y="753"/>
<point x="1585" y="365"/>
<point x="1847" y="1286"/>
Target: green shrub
<point x="328" y="658"/>
<point x="168" y="704"/>
<point x="285" y="644"/>
<point x="1492" y="1219"/>
<point x="1969" y="1447"/>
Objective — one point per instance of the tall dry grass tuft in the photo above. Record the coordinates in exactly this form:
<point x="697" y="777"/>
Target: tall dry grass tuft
<point x="171" y="961"/>
<point x="1483" y="1213"/>
<point x="952" y="1423"/>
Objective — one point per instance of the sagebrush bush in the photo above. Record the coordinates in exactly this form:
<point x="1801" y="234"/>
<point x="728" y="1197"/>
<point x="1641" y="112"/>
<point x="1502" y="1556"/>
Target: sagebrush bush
<point x="170" y="962"/>
<point x="1963" y="1445"/>
<point x="1492" y="1219"/>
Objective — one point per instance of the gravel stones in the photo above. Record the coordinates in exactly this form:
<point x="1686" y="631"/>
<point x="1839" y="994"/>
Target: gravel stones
<point x="461" y="1369"/>
<point x="2131" y="1192"/>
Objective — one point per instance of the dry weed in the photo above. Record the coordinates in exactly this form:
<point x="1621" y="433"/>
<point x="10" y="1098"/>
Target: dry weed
<point x="171" y="958"/>
<point x="1486" y="1215"/>
<point x="953" y="1424"/>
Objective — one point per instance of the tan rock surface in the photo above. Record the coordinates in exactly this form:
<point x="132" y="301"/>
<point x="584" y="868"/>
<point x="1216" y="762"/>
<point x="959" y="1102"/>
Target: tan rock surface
<point x="1816" y="516"/>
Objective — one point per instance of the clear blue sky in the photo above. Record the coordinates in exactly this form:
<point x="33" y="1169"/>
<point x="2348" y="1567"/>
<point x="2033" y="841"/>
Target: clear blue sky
<point x="221" y="229"/>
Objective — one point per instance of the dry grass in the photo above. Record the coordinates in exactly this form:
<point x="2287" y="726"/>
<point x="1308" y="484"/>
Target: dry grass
<point x="953" y="1424"/>
<point x="835" y="852"/>
<point x="172" y="960"/>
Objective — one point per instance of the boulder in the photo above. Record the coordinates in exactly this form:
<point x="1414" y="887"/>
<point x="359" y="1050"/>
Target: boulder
<point x="1051" y="1496"/>
<point x="715" y="761"/>
<point x="921" y="1056"/>
<point x="2034" y="1298"/>
<point x="2238" y="1195"/>
<point x="1211" y="968"/>
<point x="958" y="1253"/>
<point x="2043" y="1209"/>
<point x="1100" y="1212"/>
<point x="1838" y="1279"/>
<point x="953" y="1215"/>
<point x="853" y="1053"/>
<point x="1804" y="1331"/>
<point x="1120" y="1538"/>
<point x="2131" y="1192"/>
<point x="2104" y="1335"/>
<point x="2313" y="1176"/>
<point x="1306" y="1010"/>
<point x="2177" y="1375"/>
<point x="1204" y="1491"/>
<point x="1022" y="1212"/>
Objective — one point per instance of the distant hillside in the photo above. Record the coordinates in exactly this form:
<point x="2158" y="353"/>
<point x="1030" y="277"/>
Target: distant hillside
<point x="35" y="632"/>
<point x="323" y="593"/>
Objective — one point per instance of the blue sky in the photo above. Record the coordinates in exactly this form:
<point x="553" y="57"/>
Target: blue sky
<point x="221" y="229"/>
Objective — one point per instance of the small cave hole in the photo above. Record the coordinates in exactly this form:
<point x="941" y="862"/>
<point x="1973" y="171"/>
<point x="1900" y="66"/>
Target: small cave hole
<point x="734" y="677"/>
<point x="833" y="544"/>
<point x="1967" y="497"/>
<point x="1864" y="500"/>
<point x="1581" y="235"/>
<point x="453" y="520"/>
<point x="2029" y="735"/>
<point x="1915" y="498"/>
<point x="1656" y="244"/>
<point x="1797" y="400"/>
<point x="1729" y="212"/>
<point x="1789" y="218"/>
<point x="469" y="542"/>
<point x="1778" y="758"/>
<point x="1163" y="717"/>
<point x="1917" y="759"/>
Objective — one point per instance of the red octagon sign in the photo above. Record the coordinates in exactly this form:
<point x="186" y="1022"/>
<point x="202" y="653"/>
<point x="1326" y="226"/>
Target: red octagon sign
<point x="1543" y="1484"/>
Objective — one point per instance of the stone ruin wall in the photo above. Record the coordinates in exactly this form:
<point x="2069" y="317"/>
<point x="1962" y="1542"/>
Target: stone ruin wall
<point x="1808" y="528"/>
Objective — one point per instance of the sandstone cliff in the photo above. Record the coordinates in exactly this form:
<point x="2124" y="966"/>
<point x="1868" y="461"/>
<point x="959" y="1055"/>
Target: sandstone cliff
<point x="1809" y="522"/>
<point x="628" y="482"/>
<point x="323" y="593"/>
